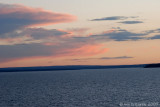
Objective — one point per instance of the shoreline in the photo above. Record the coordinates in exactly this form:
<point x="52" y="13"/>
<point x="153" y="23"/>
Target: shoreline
<point x="71" y="67"/>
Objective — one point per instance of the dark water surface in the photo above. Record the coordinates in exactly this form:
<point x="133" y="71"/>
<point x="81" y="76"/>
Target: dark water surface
<point x="125" y="87"/>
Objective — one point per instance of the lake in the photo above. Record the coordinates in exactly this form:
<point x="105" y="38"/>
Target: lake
<point x="120" y="87"/>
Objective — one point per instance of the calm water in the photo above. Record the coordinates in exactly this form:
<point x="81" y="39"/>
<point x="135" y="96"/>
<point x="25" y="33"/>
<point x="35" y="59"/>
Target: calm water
<point x="81" y="88"/>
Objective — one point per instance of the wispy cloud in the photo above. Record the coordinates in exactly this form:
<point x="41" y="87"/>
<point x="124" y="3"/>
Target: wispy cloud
<point x="119" y="57"/>
<point x="40" y="42"/>
<point x="155" y="37"/>
<point x="20" y="51"/>
<point x="78" y="31"/>
<point x="32" y="35"/>
<point x="119" y="35"/>
<point x="131" y="22"/>
<point x="102" y="58"/>
<point x="153" y="31"/>
<point x="20" y="39"/>
<point x="113" y="18"/>
<point x="13" y="17"/>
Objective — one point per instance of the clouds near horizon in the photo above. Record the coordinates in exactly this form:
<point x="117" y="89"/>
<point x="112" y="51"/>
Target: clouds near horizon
<point x="22" y="51"/>
<point x="40" y="42"/>
<point x="21" y="37"/>
<point x="103" y="58"/>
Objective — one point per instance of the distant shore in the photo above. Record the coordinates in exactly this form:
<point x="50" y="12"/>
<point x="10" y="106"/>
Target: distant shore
<point x="75" y="67"/>
<point x="152" y="65"/>
<point x="71" y="67"/>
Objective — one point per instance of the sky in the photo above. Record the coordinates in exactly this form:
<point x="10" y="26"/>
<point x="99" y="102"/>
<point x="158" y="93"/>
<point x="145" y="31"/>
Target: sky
<point x="79" y="32"/>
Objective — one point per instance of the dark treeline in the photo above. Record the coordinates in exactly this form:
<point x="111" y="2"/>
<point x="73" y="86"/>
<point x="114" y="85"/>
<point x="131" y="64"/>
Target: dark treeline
<point x="72" y="67"/>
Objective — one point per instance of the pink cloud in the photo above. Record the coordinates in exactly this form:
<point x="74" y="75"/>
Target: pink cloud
<point x="85" y="50"/>
<point x="14" y="17"/>
<point x="90" y="50"/>
<point x="109" y="31"/>
<point x="39" y="15"/>
<point x="48" y="51"/>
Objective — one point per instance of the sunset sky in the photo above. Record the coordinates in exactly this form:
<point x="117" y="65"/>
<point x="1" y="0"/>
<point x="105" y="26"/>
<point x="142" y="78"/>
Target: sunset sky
<point x="79" y="32"/>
